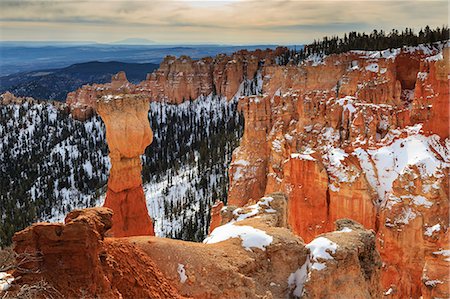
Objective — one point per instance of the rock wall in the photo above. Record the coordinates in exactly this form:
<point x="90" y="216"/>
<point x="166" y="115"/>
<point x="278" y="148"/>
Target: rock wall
<point x="360" y="135"/>
<point x="180" y="79"/>
<point x="128" y="133"/>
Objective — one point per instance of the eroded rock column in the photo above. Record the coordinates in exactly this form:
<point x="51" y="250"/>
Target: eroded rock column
<point x="128" y="133"/>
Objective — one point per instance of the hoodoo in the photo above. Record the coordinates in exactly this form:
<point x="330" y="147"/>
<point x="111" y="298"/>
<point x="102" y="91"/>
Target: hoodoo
<point x="128" y="133"/>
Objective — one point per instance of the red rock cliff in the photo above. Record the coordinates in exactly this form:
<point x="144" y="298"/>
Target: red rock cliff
<point x="361" y="135"/>
<point x="180" y="79"/>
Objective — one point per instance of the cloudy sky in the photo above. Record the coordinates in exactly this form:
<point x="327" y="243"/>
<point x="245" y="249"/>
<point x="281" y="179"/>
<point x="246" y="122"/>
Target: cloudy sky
<point x="212" y="21"/>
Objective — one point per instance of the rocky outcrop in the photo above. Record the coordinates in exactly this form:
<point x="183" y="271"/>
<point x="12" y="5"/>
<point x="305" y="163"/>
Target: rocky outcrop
<point x="83" y="101"/>
<point x="360" y="135"/>
<point x="128" y="133"/>
<point x="342" y="264"/>
<point x="251" y="163"/>
<point x="180" y="79"/>
<point x="253" y="255"/>
<point x="77" y="261"/>
<point x="8" y="98"/>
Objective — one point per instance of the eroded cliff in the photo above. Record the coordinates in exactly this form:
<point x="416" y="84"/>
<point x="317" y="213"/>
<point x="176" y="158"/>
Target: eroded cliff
<point x="360" y="135"/>
<point x="180" y="79"/>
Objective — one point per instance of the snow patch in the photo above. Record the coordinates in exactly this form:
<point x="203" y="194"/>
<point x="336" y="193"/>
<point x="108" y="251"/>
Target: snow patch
<point x="251" y="237"/>
<point x="373" y="67"/>
<point x="302" y="157"/>
<point x="321" y="248"/>
<point x="297" y="279"/>
<point x="253" y="210"/>
<point x="430" y="230"/>
<point x="182" y="272"/>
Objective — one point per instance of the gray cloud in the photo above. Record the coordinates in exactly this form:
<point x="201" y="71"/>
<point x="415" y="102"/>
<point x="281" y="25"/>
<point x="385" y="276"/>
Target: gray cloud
<point x="232" y="21"/>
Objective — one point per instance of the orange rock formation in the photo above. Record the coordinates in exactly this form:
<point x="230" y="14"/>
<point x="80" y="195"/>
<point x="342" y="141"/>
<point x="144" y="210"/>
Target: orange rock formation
<point x="329" y="126"/>
<point x="128" y="133"/>
<point x="77" y="259"/>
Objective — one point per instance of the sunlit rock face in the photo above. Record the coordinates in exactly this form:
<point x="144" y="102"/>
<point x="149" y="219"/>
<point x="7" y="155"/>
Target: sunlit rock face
<point x="360" y="135"/>
<point x="128" y="133"/>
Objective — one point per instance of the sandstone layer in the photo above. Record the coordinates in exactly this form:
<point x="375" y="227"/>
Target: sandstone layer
<point x="360" y="135"/>
<point x="128" y="133"/>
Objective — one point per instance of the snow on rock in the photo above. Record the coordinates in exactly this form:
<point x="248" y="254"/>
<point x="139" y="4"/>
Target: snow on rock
<point x="321" y="248"/>
<point x="430" y="230"/>
<point x="241" y="164"/>
<point x="251" y="237"/>
<point x="444" y="252"/>
<point x="182" y="272"/>
<point x="262" y="205"/>
<point x="276" y="145"/>
<point x="419" y="200"/>
<point x="373" y="67"/>
<point x="302" y="157"/>
<point x="432" y="282"/>
<point x="347" y="102"/>
<point x="5" y="281"/>
<point x="297" y="280"/>
<point x="385" y="164"/>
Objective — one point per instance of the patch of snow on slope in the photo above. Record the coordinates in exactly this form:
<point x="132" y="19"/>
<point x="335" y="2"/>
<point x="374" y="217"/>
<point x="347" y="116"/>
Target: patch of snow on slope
<point x="251" y="237"/>
<point x="430" y="230"/>
<point x="347" y="102"/>
<point x="241" y="164"/>
<point x="395" y="159"/>
<point x="321" y="248"/>
<point x="302" y="157"/>
<point x="262" y="204"/>
<point x="373" y="67"/>
<point x="182" y="272"/>
<point x="444" y="252"/>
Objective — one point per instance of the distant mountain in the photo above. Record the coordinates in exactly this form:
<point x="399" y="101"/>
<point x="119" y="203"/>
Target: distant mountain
<point x="15" y="58"/>
<point x="54" y="84"/>
<point x="134" y="41"/>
